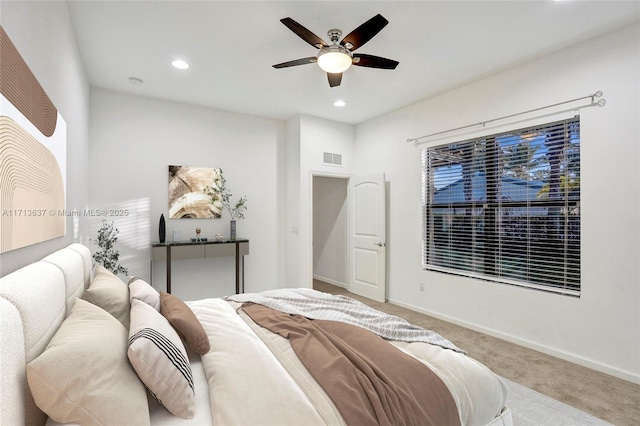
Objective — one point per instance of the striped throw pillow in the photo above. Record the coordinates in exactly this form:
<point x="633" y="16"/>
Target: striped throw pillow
<point x="160" y="359"/>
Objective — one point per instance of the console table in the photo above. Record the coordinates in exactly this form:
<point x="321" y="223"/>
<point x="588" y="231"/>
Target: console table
<point x="205" y="249"/>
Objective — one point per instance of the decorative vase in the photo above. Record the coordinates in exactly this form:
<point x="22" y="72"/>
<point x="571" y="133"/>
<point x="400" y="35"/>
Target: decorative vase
<point x="232" y="234"/>
<point x="161" y="229"/>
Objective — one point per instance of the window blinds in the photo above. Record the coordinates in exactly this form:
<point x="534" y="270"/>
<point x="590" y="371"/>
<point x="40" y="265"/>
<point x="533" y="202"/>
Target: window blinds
<point x="506" y="207"/>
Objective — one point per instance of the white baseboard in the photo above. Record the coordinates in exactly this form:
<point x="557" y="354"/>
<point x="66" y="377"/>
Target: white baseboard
<point x="329" y="281"/>
<point x="576" y="359"/>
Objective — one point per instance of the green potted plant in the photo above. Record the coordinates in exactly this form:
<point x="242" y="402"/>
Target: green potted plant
<point x="107" y="255"/>
<point x="220" y="195"/>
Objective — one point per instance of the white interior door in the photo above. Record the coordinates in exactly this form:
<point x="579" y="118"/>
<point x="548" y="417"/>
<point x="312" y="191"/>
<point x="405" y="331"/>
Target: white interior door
<point x="367" y="223"/>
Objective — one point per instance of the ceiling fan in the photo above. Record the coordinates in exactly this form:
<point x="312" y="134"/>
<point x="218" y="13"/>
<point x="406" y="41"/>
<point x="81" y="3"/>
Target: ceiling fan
<point x="337" y="57"/>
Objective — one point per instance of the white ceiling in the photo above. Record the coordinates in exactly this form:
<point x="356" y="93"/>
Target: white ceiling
<point x="232" y="45"/>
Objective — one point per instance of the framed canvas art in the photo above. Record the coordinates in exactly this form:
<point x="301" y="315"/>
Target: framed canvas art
<point x="187" y="197"/>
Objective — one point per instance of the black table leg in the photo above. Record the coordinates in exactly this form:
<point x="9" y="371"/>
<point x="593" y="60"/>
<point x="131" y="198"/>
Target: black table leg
<point x="238" y="268"/>
<point x="169" y="269"/>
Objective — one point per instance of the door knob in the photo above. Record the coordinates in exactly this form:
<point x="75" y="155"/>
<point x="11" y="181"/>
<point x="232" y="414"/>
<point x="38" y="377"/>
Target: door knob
<point x="379" y="244"/>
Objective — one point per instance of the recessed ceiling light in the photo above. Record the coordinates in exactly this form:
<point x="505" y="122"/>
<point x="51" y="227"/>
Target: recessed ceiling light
<point x="180" y="64"/>
<point x="339" y="103"/>
<point x="135" y="81"/>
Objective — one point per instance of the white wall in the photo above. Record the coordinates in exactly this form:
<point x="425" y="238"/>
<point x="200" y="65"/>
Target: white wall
<point x="330" y="230"/>
<point x="309" y="138"/>
<point x="292" y="212"/>
<point x="601" y="329"/>
<point x="42" y="33"/>
<point x="133" y="141"/>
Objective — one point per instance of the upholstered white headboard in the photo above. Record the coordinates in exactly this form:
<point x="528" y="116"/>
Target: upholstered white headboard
<point x="34" y="301"/>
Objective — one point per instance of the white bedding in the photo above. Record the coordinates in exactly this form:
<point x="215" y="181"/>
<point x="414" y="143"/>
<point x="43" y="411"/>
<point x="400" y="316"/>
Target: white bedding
<point x="252" y="376"/>
<point x="247" y="384"/>
<point x="241" y="369"/>
<point x="161" y="416"/>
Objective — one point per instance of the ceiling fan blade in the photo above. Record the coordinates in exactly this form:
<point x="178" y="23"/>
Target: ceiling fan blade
<point x="334" y="79"/>
<point x="301" y="61"/>
<point x="364" y="32"/>
<point x="371" y="61"/>
<point x="304" y="33"/>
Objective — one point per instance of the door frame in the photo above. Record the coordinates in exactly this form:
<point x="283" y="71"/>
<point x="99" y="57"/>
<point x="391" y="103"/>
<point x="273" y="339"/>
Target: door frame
<point x="310" y="218"/>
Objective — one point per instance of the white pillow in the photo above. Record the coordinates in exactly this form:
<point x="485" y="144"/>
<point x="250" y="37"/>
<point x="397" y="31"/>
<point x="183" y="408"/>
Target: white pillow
<point x="160" y="359"/>
<point x="141" y="290"/>
<point x="84" y="377"/>
<point x="110" y="293"/>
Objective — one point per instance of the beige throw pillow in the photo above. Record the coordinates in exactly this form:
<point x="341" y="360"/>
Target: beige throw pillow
<point x="141" y="290"/>
<point x="160" y="359"/>
<point x="110" y="293"/>
<point x="84" y="377"/>
<point x="184" y="321"/>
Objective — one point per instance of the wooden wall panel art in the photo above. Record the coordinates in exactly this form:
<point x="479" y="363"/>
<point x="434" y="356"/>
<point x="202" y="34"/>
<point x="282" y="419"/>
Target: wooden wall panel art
<point x="33" y="144"/>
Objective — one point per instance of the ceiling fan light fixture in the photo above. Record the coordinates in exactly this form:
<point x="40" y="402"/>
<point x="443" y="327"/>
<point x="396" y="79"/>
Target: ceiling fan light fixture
<point x="334" y="59"/>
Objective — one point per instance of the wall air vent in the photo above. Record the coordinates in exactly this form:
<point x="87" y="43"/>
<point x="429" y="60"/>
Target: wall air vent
<point x="332" y="159"/>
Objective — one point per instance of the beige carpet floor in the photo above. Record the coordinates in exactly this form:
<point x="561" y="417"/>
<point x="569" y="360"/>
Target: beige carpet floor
<point x="611" y="399"/>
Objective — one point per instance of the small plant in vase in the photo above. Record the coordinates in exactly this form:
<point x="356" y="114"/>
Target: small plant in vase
<point x="107" y="255"/>
<point x="221" y="196"/>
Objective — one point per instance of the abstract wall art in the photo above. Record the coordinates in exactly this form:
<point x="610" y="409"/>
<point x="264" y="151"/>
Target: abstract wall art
<point x="33" y="144"/>
<point x="187" y="197"/>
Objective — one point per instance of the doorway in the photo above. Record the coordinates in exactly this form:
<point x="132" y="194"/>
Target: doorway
<point x="348" y="233"/>
<point x="330" y="230"/>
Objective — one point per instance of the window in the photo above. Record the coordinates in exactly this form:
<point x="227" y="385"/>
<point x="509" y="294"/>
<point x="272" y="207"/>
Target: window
<point x="506" y="207"/>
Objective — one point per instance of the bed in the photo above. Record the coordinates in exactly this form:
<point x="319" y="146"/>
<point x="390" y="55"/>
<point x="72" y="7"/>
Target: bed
<point x="78" y="345"/>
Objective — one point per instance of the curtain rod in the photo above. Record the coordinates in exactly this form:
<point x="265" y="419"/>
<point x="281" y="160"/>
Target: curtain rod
<point x="597" y="94"/>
